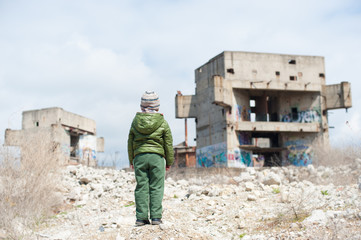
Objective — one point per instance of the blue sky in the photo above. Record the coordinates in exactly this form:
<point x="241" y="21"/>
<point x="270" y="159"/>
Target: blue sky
<point x="96" y="58"/>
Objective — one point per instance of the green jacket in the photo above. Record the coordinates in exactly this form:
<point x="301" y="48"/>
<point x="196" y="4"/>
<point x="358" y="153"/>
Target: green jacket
<point x="150" y="133"/>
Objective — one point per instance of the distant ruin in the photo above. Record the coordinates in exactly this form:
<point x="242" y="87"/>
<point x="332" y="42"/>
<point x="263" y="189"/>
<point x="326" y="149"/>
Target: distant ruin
<point x="72" y="136"/>
<point x="260" y="109"/>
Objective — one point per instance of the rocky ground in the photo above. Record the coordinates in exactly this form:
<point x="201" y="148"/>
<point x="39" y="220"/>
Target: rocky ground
<point x="266" y="203"/>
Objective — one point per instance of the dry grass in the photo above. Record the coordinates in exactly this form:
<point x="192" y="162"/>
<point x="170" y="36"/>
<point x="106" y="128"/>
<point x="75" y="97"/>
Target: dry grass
<point x="27" y="186"/>
<point x="327" y="155"/>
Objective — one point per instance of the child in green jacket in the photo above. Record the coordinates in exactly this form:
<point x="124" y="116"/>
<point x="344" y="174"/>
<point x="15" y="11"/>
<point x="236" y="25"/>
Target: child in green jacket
<point x="150" y="150"/>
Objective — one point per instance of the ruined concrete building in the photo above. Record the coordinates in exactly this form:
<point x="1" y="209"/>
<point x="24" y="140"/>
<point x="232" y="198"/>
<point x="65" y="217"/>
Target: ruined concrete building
<point x="71" y="136"/>
<point x="260" y="109"/>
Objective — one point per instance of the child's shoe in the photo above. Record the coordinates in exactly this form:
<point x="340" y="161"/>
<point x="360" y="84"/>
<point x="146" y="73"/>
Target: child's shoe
<point x="141" y="222"/>
<point x="156" y="221"/>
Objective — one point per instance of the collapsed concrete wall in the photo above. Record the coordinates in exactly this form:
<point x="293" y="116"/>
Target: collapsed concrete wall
<point x="260" y="109"/>
<point x="71" y="136"/>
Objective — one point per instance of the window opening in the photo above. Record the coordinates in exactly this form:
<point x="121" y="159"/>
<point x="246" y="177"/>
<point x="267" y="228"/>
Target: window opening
<point x="230" y="70"/>
<point x="278" y="73"/>
<point x="322" y="75"/>
<point x="37" y="124"/>
<point x="74" y="145"/>
<point x="292" y="61"/>
<point x="293" y="78"/>
<point x="294" y="114"/>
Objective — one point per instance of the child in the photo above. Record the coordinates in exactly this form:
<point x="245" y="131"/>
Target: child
<point x="150" y="150"/>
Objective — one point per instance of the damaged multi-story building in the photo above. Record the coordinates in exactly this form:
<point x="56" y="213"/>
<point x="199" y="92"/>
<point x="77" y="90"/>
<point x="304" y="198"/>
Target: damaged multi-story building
<point x="72" y="137"/>
<point x="261" y="109"/>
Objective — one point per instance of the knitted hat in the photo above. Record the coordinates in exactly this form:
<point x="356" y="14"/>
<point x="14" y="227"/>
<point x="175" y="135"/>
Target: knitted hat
<point x="150" y="101"/>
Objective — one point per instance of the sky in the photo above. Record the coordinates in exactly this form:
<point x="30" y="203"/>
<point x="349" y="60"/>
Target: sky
<point x="96" y="58"/>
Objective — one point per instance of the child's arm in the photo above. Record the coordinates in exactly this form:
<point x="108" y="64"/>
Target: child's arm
<point x="130" y="147"/>
<point x="168" y="146"/>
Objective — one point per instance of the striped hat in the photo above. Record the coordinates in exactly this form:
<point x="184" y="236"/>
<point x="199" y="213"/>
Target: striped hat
<point x="150" y="101"/>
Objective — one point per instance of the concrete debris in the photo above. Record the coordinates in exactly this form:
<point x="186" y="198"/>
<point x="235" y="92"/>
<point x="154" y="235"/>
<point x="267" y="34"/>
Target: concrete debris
<point x="317" y="216"/>
<point x="272" y="179"/>
<point x="210" y="206"/>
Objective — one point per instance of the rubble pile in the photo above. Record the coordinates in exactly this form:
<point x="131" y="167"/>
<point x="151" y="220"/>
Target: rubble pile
<point x="264" y="203"/>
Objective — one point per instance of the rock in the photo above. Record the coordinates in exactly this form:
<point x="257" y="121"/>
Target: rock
<point x="251" y="197"/>
<point x="317" y="216"/>
<point x="72" y="170"/>
<point x="311" y="169"/>
<point x="246" y="176"/>
<point x="249" y="186"/>
<point x="272" y="179"/>
<point x="284" y="196"/>
<point x="251" y="171"/>
<point x="164" y="226"/>
<point x="84" y="180"/>
<point x="75" y="194"/>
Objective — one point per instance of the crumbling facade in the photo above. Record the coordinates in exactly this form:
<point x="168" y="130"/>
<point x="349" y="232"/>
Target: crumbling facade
<point x="71" y="136"/>
<point x="260" y="109"/>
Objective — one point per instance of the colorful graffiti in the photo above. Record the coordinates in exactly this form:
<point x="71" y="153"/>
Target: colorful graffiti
<point x="299" y="152"/>
<point x="241" y="113"/>
<point x="244" y="138"/>
<point x="239" y="158"/>
<point x="307" y="116"/>
<point x="212" y="156"/>
<point x="234" y="158"/>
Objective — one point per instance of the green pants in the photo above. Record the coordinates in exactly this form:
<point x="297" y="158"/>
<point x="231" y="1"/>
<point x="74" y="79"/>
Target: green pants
<point x="149" y="174"/>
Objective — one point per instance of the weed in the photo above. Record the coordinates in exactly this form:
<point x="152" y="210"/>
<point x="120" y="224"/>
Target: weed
<point x="242" y="235"/>
<point x="324" y="193"/>
<point x="276" y="190"/>
<point x="130" y="204"/>
<point x="175" y="196"/>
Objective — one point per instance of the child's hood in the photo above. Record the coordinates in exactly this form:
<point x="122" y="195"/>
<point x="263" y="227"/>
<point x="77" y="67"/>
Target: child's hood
<point x="147" y="123"/>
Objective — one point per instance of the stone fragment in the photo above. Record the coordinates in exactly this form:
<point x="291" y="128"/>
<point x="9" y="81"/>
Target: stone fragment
<point x="317" y="216"/>
<point x="249" y="186"/>
<point x="84" y="180"/>
<point x="74" y="194"/>
<point x="251" y="197"/>
<point x="272" y="179"/>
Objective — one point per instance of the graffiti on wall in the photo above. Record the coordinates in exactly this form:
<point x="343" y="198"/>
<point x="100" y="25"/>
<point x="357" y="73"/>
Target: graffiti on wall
<point x="241" y="113"/>
<point x="212" y="156"/>
<point x="307" y="116"/>
<point x="87" y="148"/>
<point x="239" y="158"/>
<point x="244" y="138"/>
<point x="299" y="152"/>
<point x="246" y="158"/>
<point x="234" y="158"/>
